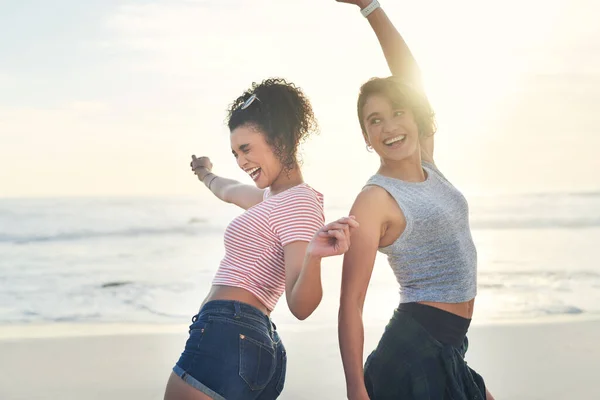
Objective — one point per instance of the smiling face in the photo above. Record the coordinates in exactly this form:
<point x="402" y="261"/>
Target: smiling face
<point x="255" y="156"/>
<point x="394" y="116"/>
<point x="389" y="129"/>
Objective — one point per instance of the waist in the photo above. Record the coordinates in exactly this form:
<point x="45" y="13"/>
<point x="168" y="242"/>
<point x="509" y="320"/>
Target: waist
<point x="236" y="310"/>
<point x="463" y="309"/>
<point x="232" y="293"/>
<point x="444" y="326"/>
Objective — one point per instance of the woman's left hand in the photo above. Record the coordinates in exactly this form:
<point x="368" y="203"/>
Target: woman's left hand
<point x="361" y="3"/>
<point x="333" y="239"/>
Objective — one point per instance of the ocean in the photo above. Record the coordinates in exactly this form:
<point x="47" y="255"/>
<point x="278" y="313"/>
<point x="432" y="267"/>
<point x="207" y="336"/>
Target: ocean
<point x="151" y="260"/>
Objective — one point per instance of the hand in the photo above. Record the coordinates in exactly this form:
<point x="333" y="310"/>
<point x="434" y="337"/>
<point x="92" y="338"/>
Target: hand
<point x="201" y="166"/>
<point x="333" y="239"/>
<point x="361" y="3"/>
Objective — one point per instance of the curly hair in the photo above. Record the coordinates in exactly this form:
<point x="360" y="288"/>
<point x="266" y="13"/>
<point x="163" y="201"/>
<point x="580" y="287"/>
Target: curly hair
<point x="281" y="111"/>
<point x="401" y="95"/>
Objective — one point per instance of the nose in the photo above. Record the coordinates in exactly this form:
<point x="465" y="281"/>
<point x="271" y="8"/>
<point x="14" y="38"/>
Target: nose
<point x="241" y="160"/>
<point x="389" y="126"/>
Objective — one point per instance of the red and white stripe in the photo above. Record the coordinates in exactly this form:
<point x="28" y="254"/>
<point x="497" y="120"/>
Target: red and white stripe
<point x="254" y="241"/>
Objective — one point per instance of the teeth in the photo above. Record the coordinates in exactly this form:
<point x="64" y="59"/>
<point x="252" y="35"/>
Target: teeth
<point x="253" y="170"/>
<point x="394" y="140"/>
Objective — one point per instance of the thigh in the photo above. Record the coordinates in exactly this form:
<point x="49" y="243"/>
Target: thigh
<point x="177" y="389"/>
<point x="386" y="377"/>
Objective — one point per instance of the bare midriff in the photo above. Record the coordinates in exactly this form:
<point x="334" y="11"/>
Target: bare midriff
<point x="219" y="292"/>
<point x="464" y="309"/>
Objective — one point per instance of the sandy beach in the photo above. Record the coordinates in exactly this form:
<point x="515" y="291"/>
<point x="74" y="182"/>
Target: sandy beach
<point x="527" y="361"/>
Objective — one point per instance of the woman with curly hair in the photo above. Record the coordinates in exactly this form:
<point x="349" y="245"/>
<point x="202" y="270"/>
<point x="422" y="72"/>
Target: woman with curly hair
<point x="275" y="246"/>
<point x="410" y="212"/>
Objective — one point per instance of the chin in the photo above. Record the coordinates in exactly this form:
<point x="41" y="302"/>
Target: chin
<point x="395" y="155"/>
<point x="401" y="154"/>
<point x="260" y="185"/>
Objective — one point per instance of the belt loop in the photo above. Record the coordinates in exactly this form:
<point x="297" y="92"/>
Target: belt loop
<point x="237" y="313"/>
<point x="272" y="328"/>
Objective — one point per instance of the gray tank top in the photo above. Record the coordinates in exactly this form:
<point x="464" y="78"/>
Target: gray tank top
<point x="434" y="259"/>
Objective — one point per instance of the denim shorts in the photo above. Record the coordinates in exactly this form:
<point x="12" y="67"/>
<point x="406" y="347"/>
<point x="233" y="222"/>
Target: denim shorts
<point x="233" y="352"/>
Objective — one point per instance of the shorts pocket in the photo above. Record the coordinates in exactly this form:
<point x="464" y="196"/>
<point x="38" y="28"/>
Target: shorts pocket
<point x="257" y="362"/>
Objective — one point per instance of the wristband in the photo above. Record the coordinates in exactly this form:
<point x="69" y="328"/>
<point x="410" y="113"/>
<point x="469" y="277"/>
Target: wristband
<point x="211" y="181"/>
<point x="370" y="8"/>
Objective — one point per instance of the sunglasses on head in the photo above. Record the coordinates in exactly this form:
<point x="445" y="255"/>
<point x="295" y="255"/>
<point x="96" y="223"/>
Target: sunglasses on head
<point x="249" y="102"/>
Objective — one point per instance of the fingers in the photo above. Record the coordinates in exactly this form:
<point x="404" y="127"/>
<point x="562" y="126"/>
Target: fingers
<point x="335" y="225"/>
<point x="339" y="234"/>
<point x="202" y="162"/>
<point x="340" y="238"/>
<point x="342" y="241"/>
<point x="350" y="220"/>
<point x="342" y="223"/>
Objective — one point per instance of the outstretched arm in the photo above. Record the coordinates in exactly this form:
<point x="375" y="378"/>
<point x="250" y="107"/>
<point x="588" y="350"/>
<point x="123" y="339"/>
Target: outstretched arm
<point x="228" y="190"/>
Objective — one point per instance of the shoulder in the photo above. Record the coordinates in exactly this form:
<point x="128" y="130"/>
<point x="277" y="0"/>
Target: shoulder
<point x="372" y="191"/>
<point x="300" y="204"/>
<point x="380" y="187"/>
<point x="371" y="199"/>
<point x="302" y="193"/>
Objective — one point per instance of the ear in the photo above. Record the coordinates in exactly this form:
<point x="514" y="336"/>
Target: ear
<point x="366" y="138"/>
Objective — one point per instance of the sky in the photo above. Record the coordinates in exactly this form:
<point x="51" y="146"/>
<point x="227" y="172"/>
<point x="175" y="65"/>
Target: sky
<point x="111" y="98"/>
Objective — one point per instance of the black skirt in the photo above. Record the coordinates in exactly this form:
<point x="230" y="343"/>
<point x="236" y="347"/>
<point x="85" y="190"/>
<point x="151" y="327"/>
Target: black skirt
<point x="411" y="363"/>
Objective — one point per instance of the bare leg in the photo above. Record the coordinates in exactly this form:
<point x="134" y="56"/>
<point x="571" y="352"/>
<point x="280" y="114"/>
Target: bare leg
<point x="177" y="389"/>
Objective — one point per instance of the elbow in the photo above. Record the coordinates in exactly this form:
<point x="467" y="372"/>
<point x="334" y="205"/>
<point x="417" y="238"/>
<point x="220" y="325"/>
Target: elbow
<point x="303" y="310"/>
<point x="350" y="307"/>
<point x="301" y="315"/>
<point x="342" y="314"/>
<point x="224" y="195"/>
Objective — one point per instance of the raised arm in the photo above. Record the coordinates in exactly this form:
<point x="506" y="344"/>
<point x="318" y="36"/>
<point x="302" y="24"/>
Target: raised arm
<point x="357" y="269"/>
<point x="228" y="190"/>
<point x="400" y="60"/>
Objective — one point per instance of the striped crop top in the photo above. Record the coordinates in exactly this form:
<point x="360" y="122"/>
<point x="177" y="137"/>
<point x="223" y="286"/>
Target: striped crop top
<point x="254" y="241"/>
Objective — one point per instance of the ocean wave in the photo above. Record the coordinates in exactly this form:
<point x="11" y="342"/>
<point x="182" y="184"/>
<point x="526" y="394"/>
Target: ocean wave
<point x="566" y="194"/>
<point x="562" y="310"/>
<point x="584" y="275"/>
<point x="536" y="223"/>
<point x="124" y="233"/>
<point x="195" y="228"/>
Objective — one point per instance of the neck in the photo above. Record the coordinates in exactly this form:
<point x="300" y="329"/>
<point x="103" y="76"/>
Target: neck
<point x="287" y="180"/>
<point x="408" y="169"/>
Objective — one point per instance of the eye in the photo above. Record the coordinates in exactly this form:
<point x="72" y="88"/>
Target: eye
<point x="375" y="121"/>
<point x="398" y="113"/>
